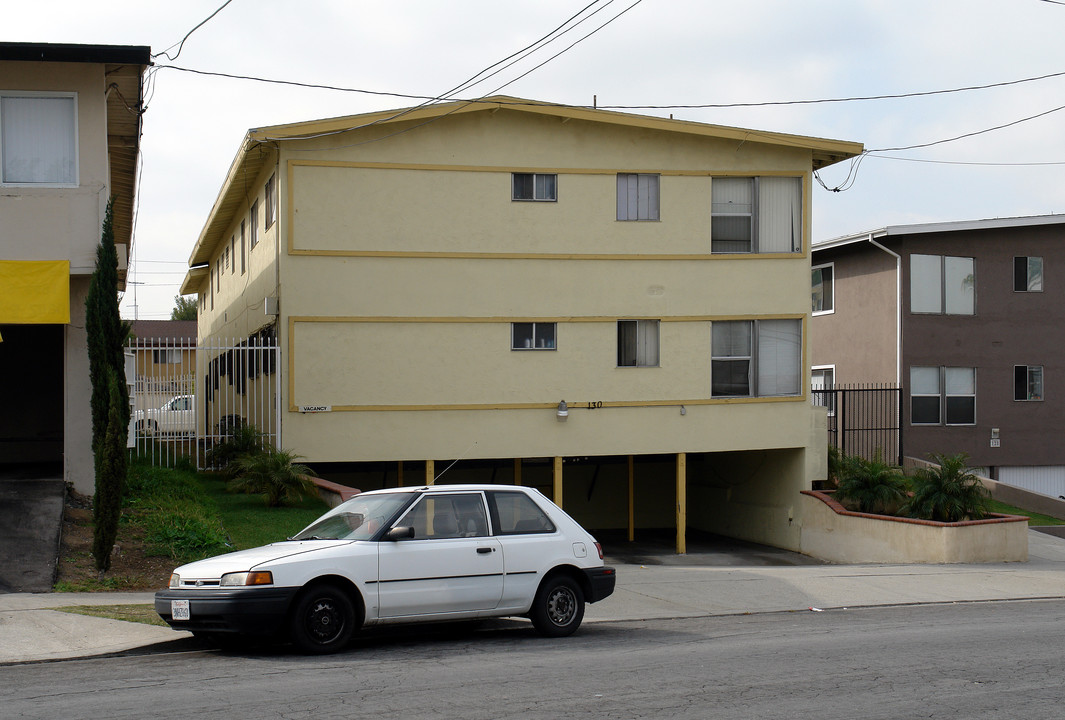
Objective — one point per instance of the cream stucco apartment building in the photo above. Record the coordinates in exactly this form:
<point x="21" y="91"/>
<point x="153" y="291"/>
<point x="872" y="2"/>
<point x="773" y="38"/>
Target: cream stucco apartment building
<point x="612" y="307"/>
<point x="70" y="128"/>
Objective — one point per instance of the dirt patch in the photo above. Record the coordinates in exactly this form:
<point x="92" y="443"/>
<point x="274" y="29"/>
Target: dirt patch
<point x="132" y="569"/>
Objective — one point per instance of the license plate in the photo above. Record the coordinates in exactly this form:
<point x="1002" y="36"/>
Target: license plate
<point x="179" y="610"/>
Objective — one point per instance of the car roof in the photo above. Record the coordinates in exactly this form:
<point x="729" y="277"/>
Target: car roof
<point x="449" y="488"/>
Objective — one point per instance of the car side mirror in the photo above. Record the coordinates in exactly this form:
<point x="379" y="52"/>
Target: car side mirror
<point x="399" y="533"/>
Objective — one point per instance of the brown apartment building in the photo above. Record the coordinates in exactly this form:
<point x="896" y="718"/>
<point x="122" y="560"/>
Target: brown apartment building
<point x="968" y="318"/>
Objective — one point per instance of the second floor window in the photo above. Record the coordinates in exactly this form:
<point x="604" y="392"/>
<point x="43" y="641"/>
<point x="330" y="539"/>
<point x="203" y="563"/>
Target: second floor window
<point x="1028" y="274"/>
<point x="270" y="202"/>
<point x="532" y="336"/>
<point x="637" y="196"/>
<point x="38" y="139"/>
<point x="756" y="215"/>
<point x="822" y="294"/>
<point x="942" y="285"/>
<point x="534" y="186"/>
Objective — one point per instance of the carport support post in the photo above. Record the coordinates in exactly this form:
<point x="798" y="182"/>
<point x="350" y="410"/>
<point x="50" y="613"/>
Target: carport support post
<point x="557" y="477"/>
<point x="682" y="502"/>
<point x="632" y="499"/>
<point x="517" y="471"/>
<point x="429" y="471"/>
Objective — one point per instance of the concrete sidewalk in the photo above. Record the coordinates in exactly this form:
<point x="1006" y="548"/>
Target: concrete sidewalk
<point x="679" y="587"/>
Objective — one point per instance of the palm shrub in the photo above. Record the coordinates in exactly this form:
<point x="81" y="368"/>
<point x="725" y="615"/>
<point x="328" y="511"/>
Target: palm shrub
<point x="274" y="475"/>
<point x="241" y="440"/>
<point x="948" y="491"/>
<point x="870" y="486"/>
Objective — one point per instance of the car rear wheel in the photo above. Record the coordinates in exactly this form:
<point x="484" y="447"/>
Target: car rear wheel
<point x="322" y="620"/>
<point x="558" y="608"/>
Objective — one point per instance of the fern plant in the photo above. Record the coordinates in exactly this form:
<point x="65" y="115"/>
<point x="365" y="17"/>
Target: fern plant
<point x="948" y="491"/>
<point x="870" y="486"/>
<point x="274" y="475"/>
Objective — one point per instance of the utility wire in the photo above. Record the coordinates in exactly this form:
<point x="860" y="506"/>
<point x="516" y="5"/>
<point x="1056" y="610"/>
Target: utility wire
<point x="469" y="82"/>
<point x="968" y="135"/>
<point x="897" y="96"/>
<point x="181" y="45"/>
<point x="711" y="106"/>
<point x="976" y="163"/>
<point x="465" y="103"/>
<point x="855" y="163"/>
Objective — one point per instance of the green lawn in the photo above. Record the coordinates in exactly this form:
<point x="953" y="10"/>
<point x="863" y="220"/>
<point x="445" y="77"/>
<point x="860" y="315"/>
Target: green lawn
<point x="1033" y="518"/>
<point x="250" y="523"/>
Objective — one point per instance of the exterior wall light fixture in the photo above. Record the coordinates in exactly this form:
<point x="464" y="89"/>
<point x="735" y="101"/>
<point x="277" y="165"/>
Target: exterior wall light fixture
<point x="563" y="412"/>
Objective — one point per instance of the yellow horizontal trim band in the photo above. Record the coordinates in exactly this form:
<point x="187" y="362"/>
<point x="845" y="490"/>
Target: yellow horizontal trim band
<point x="544" y="256"/>
<point x="500" y="319"/>
<point x="573" y="406"/>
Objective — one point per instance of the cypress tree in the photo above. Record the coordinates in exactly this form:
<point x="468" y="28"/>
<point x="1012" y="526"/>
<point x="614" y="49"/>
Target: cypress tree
<point x="106" y="334"/>
<point x="105" y="329"/>
<point x="110" y="478"/>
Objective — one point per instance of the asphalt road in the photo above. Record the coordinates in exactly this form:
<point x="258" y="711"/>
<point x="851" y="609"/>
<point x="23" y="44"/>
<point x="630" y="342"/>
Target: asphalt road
<point x="985" y="660"/>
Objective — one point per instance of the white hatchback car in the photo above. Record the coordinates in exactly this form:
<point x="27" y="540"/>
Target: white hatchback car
<point x="433" y="553"/>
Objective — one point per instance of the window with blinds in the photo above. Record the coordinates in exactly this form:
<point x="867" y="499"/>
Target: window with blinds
<point x="38" y="139"/>
<point x="755" y="358"/>
<point x="637" y="196"/>
<point x="756" y="215"/>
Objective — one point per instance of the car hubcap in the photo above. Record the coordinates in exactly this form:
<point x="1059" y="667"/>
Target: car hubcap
<point x="325" y="621"/>
<point x="561" y="606"/>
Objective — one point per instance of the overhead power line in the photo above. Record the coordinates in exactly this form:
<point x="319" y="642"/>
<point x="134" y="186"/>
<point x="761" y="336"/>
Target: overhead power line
<point x="181" y="45"/>
<point x="702" y="106"/>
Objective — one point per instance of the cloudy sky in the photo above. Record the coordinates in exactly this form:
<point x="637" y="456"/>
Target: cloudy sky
<point x="636" y="53"/>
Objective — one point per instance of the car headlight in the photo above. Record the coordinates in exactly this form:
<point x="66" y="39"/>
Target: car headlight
<point x="258" y="577"/>
<point x="175" y="580"/>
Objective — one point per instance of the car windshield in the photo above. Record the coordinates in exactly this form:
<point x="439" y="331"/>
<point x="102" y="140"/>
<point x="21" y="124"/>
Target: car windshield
<point x="357" y="519"/>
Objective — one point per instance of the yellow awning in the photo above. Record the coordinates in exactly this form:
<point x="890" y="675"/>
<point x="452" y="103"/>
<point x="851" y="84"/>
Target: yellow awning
<point x="35" y="292"/>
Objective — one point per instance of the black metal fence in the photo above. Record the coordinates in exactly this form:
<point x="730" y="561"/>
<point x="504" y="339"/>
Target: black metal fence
<point x="864" y="420"/>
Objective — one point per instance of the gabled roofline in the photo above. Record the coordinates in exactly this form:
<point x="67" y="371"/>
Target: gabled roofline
<point x="940" y="227"/>
<point x="825" y="152"/>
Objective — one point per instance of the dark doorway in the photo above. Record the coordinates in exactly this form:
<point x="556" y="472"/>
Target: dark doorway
<point x="31" y="412"/>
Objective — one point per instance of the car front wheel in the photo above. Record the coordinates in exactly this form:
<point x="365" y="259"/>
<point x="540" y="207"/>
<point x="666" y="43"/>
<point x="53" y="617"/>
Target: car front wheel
<point x="322" y="620"/>
<point x="558" y="608"/>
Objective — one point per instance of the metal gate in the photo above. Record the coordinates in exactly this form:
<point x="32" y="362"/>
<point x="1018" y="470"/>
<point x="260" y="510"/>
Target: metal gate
<point x="189" y="396"/>
<point x="864" y="420"/>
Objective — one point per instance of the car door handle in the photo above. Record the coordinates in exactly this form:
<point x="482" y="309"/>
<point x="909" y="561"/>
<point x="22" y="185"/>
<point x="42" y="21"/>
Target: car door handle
<point x="485" y="550"/>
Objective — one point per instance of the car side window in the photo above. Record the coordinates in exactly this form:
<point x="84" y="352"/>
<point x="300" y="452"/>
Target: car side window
<point x="447" y="516"/>
<point x="515" y="513"/>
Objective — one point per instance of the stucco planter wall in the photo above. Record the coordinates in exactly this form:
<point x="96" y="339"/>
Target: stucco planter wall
<point x="833" y="533"/>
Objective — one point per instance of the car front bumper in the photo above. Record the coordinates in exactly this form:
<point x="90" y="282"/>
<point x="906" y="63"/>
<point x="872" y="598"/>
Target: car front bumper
<point x="601" y="580"/>
<point x="248" y="611"/>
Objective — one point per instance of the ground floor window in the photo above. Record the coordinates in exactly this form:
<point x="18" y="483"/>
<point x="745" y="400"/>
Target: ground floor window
<point x="1027" y="382"/>
<point x="637" y="343"/>
<point x="823" y="379"/>
<point x="942" y="395"/>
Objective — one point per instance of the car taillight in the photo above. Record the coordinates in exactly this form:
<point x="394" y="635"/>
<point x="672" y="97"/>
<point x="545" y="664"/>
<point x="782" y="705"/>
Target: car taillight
<point x="599" y="549"/>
